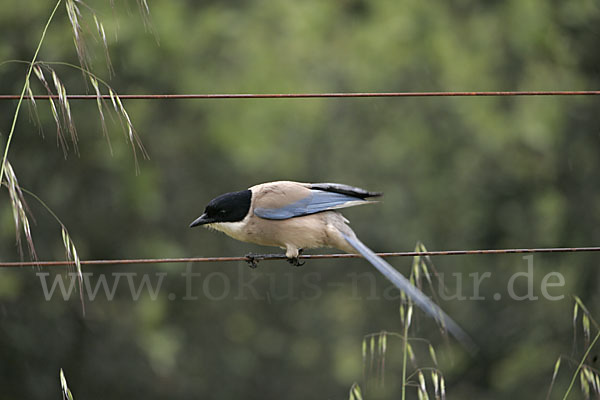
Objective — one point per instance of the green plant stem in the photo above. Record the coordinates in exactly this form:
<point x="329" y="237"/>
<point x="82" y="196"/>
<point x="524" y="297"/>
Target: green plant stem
<point x="46" y="206"/>
<point x="64" y="228"/>
<point x="580" y="365"/>
<point x="405" y="356"/>
<point x="29" y="70"/>
<point x="63" y="63"/>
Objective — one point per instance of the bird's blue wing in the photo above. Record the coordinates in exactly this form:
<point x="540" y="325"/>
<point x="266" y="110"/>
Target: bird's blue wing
<point x="317" y="201"/>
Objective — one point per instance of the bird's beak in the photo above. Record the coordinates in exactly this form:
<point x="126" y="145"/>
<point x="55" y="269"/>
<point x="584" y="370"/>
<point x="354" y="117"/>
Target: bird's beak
<point x="201" y="220"/>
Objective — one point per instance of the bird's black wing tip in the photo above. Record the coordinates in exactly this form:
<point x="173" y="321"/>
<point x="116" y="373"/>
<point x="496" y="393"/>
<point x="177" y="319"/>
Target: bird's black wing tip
<point x="345" y="189"/>
<point x="375" y="194"/>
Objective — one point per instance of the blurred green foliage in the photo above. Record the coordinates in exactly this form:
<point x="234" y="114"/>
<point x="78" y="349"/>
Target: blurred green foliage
<point x="458" y="173"/>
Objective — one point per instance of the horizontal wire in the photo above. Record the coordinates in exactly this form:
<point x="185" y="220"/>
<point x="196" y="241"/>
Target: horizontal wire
<point x="303" y="95"/>
<point x="311" y="95"/>
<point x="260" y="257"/>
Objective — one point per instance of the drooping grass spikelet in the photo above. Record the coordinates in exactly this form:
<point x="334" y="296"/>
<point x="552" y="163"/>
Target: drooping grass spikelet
<point x="39" y="73"/>
<point x="102" y="34"/>
<point x="375" y="347"/>
<point x="70" y="249"/>
<point x="78" y="38"/>
<point x="382" y="348"/>
<point x="61" y="112"/>
<point x="65" y="108"/>
<point x="585" y="320"/>
<point x="75" y="18"/>
<point x="409" y="315"/>
<point x="146" y="17"/>
<point x="433" y="355"/>
<point x="585" y="387"/>
<point x="30" y="93"/>
<point x="435" y="379"/>
<point x="556" y="368"/>
<point x="355" y="392"/>
<point x="423" y="267"/>
<point x="19" y="209"/>
<point x="588" y="376"/>
<point x="427" y="268"/>
<point x="134" y="139"/>
<point x="376" y="353"/>
<point x="33" y="114"/>
<point x="422" y="387"/>
<point x="554" y="375"/>
<point x="372" y="353"/>
<point x="144" y="7"/>
<point x="72" y="255"/>
<point x="66" y="392"/>
<point x="99" y="103"/>
<point x="415" y="270"/>
<point x="423" y="262"/>
<point x="443" y="387"/>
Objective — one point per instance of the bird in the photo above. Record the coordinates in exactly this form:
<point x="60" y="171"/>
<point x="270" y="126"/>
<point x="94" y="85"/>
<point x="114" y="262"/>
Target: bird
<point x="296" y="216"/>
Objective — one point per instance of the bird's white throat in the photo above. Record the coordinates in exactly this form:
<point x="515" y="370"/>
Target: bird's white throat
<point x="235" y="230"/>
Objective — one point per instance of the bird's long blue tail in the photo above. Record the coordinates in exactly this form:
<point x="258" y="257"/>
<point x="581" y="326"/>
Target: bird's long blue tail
<point x="418" y="297"/>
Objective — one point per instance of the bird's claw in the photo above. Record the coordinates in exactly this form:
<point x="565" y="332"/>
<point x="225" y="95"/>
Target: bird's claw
<point x="252" y="260"/>
<point x="295" y="261"/>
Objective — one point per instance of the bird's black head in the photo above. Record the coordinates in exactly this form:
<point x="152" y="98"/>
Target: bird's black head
<point x="228" y="207"/>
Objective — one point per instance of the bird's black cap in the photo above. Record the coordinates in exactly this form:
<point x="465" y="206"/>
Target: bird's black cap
<point x="228" y="207"/>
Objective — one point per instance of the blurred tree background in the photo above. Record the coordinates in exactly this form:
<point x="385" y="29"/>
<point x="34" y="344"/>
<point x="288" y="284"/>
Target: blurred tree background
<point x="458" y="173"/>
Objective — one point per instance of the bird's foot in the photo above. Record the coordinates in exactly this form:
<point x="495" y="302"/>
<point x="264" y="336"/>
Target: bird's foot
<point x="295" y="261"/>
<point x="253" y="259"/>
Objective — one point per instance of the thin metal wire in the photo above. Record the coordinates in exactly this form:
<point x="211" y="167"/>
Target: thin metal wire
<point x="261" y="257"/>
<point x="266" y="257"/>
<point x="314" y="95"/>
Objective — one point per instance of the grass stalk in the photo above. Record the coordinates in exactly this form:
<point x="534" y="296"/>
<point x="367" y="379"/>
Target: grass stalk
<point x="587" y="352"/>
<point x="25" y="86"/>
<point x="404" y="357"/>
<point x="68" y="243"/>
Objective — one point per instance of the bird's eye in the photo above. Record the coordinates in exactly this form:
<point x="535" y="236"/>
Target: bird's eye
<point x="222" y="212"/>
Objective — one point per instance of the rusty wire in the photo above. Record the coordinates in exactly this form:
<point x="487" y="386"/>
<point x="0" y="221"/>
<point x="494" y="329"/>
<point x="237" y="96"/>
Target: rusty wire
<point x="260" y="257"/>
<point x="313" y="95"/>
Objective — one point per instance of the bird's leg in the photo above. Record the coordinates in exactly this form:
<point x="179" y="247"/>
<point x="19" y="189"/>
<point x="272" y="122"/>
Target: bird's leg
<point x="295" y="261"/>
<point x="253" y="259"/>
